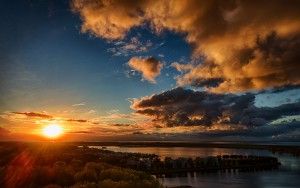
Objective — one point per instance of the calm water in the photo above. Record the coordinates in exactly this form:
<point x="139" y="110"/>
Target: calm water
<point x="288" y="175"/>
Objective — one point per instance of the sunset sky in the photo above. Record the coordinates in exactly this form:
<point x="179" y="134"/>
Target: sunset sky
<point x="150" y="70"/>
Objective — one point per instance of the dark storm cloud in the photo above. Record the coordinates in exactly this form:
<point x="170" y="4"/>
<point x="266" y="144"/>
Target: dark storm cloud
<point x="184" y="107"/>
<point x="34" y="115"/>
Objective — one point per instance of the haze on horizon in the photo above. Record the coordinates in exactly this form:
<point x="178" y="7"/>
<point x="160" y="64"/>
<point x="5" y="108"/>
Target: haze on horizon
<point x="181" y="70"/>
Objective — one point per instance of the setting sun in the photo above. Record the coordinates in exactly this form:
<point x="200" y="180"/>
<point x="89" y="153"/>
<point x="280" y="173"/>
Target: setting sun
<point x="53" y="131"/>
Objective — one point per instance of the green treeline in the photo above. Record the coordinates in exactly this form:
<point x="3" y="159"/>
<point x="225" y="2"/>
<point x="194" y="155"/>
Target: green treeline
<point x="57" y="165"/>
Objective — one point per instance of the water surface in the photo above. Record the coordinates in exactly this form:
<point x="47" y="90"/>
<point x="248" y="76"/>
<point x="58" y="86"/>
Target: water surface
<point x="288" y="175"/>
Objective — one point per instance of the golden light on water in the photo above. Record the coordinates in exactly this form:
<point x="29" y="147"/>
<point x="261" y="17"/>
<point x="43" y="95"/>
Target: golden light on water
<point x="52" y="131"/>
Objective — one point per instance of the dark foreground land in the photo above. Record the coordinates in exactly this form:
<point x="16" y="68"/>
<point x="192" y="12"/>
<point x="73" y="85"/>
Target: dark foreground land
<point x="75" y="165"/>
<point x="55" y="165"/>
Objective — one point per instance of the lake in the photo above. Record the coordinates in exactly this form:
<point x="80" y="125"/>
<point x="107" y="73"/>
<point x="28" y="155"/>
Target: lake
<point x="288" y="175"/>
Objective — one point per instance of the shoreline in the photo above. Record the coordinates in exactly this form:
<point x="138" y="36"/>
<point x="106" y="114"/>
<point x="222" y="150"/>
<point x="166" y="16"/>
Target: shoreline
<point x="290" y="149"/>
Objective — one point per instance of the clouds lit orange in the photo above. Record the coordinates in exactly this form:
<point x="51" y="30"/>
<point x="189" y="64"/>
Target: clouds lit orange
<point x="140" y="70"/>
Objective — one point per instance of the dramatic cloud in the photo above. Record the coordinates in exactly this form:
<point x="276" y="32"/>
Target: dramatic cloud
<point x="149" y="67"/>
<point x="272" y="62"/>
<point x="183" y="107"/>
<point x="244" y="45"/>
<point x="108" y="19"/>
<point x="34" y="115"/>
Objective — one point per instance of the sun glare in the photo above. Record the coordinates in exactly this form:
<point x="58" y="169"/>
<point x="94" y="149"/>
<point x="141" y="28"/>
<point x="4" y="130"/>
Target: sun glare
<point x="52" y="131"/>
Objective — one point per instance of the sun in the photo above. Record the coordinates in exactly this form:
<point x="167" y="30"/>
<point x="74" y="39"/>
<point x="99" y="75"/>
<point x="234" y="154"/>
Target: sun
<point x="52" y="131"/>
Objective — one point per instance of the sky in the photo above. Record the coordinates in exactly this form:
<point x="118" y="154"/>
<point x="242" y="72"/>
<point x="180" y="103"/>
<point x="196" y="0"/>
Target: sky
<point x="150" y="70"/>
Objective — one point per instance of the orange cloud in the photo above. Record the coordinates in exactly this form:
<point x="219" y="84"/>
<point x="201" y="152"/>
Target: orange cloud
<point x="271" y="62"/>
<point x="78" y="120"/>
<point x="112" y="123"/>
<point x="149" y="67"/>
<point x="108" y="19"/>
<point x="4" y="131"/>
<point x="34" y="115"/>
<point x="244" y="45"/>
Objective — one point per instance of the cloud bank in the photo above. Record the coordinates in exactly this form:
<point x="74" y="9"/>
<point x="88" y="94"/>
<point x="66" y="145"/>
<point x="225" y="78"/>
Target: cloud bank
<point x="243" y="45"/>
<point x="238" y="47"/>
<point x="184" y="107"/>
